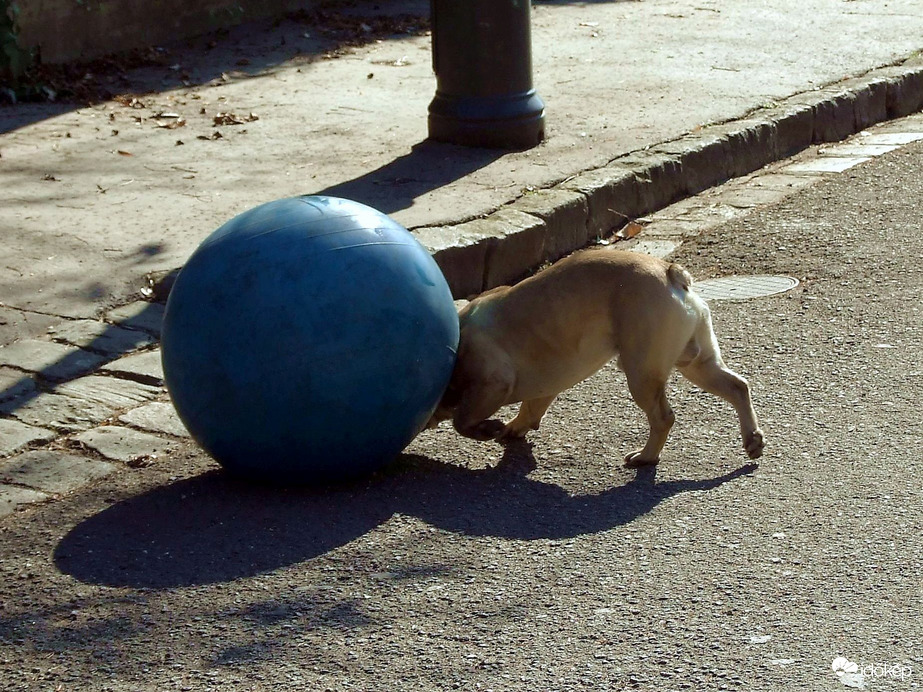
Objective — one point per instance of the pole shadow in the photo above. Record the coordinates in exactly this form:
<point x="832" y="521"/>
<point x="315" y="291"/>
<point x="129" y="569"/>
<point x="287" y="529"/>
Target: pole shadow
<point x="213" y="529"/>
<point x="429" y="166"/>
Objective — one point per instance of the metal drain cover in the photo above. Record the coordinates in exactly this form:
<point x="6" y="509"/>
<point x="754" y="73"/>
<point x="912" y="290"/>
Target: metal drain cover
<point x="743" y="287"/>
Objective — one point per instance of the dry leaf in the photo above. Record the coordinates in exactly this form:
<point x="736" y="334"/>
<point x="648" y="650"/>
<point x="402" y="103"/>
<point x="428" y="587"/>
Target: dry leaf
<point x="630" y="230"/>
<point x="172" y="125"/>
<point x="129" y="101"/>
<point x="143" y="461"/>
<point x="234" y="119"/>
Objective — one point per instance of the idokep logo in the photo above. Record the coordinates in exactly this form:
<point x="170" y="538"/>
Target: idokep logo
<point x="849" y="670"/>
<point x="842" y="665"/>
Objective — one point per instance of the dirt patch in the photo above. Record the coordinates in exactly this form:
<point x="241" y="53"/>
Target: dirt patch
<point x="94" y="81"/>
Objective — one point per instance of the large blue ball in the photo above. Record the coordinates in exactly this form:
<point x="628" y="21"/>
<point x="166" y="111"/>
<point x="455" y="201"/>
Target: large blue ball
<point x="308" y="339"/>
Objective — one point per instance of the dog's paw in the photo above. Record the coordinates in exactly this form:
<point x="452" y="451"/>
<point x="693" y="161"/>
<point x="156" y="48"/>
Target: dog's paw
<point x="754" y="443"/>
<point x="634" y="460"/>
<point x="511" y="433"/>
<point x="486" y="430"/>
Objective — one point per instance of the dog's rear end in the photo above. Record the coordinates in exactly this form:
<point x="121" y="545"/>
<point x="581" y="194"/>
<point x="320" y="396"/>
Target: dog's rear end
<point x="703" y="366"/>
<point x="700" y="362"/>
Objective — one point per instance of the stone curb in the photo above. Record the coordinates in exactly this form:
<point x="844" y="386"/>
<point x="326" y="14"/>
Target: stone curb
<point x="544" y="225"/>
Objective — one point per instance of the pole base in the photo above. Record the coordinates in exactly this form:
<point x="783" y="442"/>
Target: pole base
<point x="510" y="121"/>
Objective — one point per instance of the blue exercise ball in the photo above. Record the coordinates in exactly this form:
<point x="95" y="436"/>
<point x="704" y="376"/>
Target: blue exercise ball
<point x="308" y="340"/>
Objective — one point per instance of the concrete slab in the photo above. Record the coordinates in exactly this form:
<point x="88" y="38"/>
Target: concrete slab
<point x="897" y="138"/>
<point x="772" y="179"/>
<point x="461" y="253"/>
<point x="147" y="317"/>
<point x="749" y="196"/>
<point x="827" y="164"/>
<point x="566" y="216"/>
<point x="80" y="404"/>
<point x="15" y="383"/>
<point x="13" y="497"/>
<point x="142" y="367"/>
<point x="17" y="324"/>
<point x="58" y="412"/>
<point x="124" y="444"/>
<point x="658" y="247"/>
<point x="15" y="435"/>
<point x="101" y="337"/>
<point x="158" y="417"/>
<point x="711" y="214"/>
<point x="52" y="471"/>
<point x="49" y="360"/>
<point x="672" y="228"/>
<point x="857" y="149"/>
<point x="113" y="392"/>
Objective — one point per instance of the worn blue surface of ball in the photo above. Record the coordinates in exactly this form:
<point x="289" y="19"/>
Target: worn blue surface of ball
<point x="308" y="340"/>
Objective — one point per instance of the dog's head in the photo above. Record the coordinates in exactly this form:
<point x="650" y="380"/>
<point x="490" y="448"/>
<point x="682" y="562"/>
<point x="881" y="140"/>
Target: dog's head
<point x="452" y="396"/>
<point x="445" y="409"/>
<point x="469" y="359"/>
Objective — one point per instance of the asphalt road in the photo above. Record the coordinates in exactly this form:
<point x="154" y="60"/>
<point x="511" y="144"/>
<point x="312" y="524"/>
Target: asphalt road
<point x="551" y="567"/>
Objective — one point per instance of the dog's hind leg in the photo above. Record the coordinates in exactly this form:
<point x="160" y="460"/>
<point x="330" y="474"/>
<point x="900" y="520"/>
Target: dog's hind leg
<point x="712" y="375"/>
<point x="701" y="364"/>
<point x="649" y="392"/>
<point x="529" y="416"/>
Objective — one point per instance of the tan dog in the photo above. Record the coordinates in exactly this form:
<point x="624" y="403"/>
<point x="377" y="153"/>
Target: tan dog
<point x="532" y="341"/>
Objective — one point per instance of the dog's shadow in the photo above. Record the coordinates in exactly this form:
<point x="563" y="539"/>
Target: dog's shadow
<point x="214" y="529"/>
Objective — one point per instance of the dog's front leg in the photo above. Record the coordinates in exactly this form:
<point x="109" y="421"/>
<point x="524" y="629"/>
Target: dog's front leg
<point x="529" y="416"/>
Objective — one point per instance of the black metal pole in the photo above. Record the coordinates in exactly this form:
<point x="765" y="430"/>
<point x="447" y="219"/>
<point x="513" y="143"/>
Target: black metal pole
<point x="482" y="57"/>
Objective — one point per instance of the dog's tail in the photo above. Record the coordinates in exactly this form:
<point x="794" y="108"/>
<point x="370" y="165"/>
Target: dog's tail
<point x="679" y="277"/>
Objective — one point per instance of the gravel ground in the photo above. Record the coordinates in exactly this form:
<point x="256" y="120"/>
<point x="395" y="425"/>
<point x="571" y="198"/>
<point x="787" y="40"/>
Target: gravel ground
<point x="548" y="567"/>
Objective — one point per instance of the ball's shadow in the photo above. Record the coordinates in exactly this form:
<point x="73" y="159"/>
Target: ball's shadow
<point x="213" y="529"/>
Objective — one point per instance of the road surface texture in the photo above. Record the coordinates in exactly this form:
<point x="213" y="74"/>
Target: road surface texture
<point x="548" y="565"/>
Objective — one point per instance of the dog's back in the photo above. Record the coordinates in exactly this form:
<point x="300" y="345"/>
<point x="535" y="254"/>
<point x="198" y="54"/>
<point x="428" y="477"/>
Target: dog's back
<point x="567" y="321"/>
